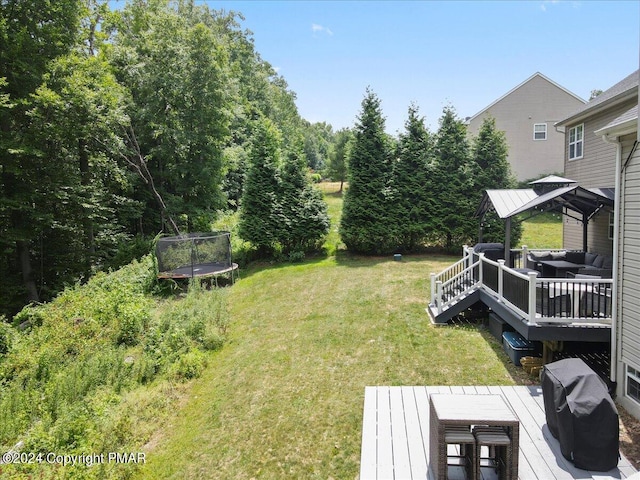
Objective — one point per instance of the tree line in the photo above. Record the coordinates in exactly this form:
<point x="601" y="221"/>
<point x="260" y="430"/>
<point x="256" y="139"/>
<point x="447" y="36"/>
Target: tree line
<point x="423" y="188"/>
<point x="116" y="125"/>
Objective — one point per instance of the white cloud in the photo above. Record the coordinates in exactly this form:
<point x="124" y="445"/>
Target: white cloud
<point x="545" y="3"/>
<point x="315" y="28"/>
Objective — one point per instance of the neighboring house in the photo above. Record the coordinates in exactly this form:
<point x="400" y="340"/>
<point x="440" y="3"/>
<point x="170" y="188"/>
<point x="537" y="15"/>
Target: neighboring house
<point x="527" y="115"/>
<point x="601" y="151"/>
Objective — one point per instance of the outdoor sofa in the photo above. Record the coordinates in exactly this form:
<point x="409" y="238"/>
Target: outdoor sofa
<point x="568" y="263"/>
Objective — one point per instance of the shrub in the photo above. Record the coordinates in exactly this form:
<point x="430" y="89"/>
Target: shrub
<point x="190" y="365"/>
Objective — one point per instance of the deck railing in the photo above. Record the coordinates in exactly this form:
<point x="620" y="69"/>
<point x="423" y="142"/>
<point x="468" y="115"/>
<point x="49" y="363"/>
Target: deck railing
<point x="559" y="301"/>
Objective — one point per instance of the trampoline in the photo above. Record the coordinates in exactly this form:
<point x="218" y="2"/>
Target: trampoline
<point x="196" y="255"/>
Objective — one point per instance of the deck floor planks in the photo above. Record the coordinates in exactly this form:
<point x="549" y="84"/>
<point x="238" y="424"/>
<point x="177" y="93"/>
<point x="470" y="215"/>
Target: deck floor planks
<point x="397" y="419"/>
<point x="415" y="440"/>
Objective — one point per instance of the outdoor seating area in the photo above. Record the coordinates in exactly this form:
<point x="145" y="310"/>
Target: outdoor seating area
<point x="563" y="263"/>
<point x="401" y="438"/>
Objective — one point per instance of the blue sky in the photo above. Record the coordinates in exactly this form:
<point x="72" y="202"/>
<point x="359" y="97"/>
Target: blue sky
<point x="460" y="53"/>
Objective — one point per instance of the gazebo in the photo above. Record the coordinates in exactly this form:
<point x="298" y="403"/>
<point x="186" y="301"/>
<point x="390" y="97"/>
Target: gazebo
<point x="549" y="194"/>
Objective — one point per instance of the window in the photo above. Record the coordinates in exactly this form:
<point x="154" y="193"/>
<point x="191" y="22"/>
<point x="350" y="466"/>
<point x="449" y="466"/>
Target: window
<point x="612" y="219"/>
<point x="540" y="131"/>
<point x="576" y="141"/>
<point x="633" y="383"/>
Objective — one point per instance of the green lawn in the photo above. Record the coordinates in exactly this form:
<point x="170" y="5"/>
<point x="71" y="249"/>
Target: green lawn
<point x="283" y="399"/>
<point x="543" y="231"/>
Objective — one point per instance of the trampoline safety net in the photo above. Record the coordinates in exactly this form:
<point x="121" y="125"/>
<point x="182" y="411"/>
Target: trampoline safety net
<point x="195" y="255"/>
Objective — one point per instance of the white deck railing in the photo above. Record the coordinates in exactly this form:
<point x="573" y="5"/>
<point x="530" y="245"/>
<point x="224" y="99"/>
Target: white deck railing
<point x="562" y="301"/>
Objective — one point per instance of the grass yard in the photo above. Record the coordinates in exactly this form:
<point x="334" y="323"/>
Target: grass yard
<point x="543" y="231"/>
<point x="283" y="399"/>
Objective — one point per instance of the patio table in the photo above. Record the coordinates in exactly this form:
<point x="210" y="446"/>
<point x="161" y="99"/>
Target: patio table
<point x="469" y="410"/>
<point x="558" y="268"/>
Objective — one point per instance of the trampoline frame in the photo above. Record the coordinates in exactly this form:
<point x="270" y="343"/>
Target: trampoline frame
<point x="200" y="270"/>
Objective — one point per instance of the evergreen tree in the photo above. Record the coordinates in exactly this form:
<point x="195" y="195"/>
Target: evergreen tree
<point x="365" y="225"/>
<point x="259" y="219"/>
<point x="304" y="220"/>
<point x="493" y="172"/>
<point x="453" y="184"/>
<point x="412" y="185"/>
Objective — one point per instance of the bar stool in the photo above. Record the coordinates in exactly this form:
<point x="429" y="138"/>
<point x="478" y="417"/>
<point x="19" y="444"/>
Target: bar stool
<point x="464" y="438"/>
<point x="499" y="444"/>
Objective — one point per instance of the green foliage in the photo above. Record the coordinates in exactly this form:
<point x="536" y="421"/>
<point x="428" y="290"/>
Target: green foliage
<point x="454" y="224"/>
<point x="366" y="223"/>
<point x="492" y="171"/>
<point x="66" y="377"/>
<point x="337" y="168"/>
<point x="317" y="144"/>
<point x="258" y="222"/>
<point x="281" y="211"/>
<point x="120" y="123"/>
<point x="412" y="184"/>
<point x="6" y="337"/>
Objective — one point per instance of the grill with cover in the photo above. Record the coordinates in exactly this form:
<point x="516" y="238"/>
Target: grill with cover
<point x="581" y="414"/>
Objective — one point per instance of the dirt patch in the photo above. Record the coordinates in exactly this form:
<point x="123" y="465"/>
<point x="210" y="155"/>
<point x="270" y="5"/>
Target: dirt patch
<point x="629" y="437"/>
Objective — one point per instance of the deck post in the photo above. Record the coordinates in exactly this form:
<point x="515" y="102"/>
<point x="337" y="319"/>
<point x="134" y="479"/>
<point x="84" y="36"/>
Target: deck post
<point x="465" y="255"/>
<point x="439" y="296"/>
<point x="481" y="255"/>
<point x="500" y="278"/>
<point x="507" y="242"/>
<point x="433" y="289"/>
<point x="525" y="253"/>
<point x="533" y="276"/>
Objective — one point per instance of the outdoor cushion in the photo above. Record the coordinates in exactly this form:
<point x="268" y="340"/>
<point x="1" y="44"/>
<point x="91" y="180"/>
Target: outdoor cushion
<point x="558" y="255"/>
<point x="575" y="257"/>
<point x="589" y="258"/>
<point x="598" y="261"/>
<point x="541" y="256"/>
<point x="608" y="262"/>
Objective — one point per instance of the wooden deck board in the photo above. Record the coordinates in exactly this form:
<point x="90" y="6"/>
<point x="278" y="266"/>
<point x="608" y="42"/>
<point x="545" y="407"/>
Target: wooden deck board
<point x="395" y="436"/>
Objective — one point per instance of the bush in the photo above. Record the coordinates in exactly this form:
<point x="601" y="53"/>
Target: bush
<point x="190" y="365"/>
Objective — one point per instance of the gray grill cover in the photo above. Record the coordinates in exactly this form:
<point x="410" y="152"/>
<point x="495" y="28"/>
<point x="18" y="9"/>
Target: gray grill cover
<point x="581" y="414"/>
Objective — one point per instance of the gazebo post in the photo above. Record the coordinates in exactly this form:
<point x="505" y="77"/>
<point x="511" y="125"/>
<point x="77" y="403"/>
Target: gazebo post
<point x="585" y="223"/>
<point x="507" y="242"/>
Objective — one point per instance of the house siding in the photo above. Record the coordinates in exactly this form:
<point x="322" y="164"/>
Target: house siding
<point x="595" y="169"/>
<point x="536" y="101"/>
<point x="628" y="334"/>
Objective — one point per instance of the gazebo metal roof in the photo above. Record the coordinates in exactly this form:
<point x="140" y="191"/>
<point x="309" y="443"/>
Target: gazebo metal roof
<point x="570" y="199"/>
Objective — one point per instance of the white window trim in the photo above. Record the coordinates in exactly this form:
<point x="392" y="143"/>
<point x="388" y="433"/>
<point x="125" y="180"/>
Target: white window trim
<point x="534" y="132"/>
<point x="575" y="143"/>
<point x="627" y="376"/>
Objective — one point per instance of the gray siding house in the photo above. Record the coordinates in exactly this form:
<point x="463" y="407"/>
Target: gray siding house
<point x="601" y="151"/>
<point x="527" y="115"/>
<point x="590" y="161"/>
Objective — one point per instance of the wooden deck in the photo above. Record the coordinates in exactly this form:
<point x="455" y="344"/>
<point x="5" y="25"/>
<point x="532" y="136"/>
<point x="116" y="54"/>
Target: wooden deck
<point x="395" y="436"/>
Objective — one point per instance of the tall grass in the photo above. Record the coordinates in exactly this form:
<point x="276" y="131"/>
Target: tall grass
<point x="75" y="380"/>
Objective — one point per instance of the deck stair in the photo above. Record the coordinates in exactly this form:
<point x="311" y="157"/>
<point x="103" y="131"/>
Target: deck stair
<point x="453" y="291"/>
<point x="455" y="306"/>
